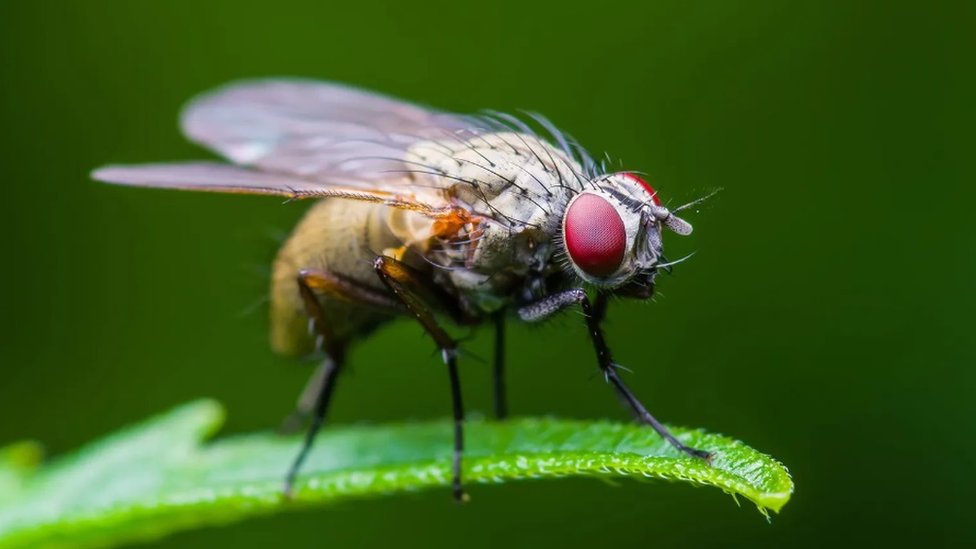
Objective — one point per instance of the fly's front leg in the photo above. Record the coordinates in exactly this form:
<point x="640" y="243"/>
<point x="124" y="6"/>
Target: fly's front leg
<point x="599" y="312"/>
<point x="600" y="307"/>
<point x="402" y="282"/>
<point x="318" y="392"/>
<point x="551" y="305"/>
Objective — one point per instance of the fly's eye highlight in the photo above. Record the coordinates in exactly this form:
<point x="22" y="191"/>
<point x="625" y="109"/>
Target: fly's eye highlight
<point x="594" y="234"/>
<point x="647" y="187"/>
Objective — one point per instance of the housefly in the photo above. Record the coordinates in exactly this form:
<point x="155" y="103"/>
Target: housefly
<point x="466" y="218"/>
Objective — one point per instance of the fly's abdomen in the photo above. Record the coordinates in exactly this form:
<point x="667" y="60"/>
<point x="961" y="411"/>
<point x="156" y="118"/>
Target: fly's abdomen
<point x="339" y="236"/>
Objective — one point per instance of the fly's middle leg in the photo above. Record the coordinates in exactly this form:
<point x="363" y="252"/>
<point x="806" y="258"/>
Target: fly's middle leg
<point x="403" y="283"/>
<point x="555" y="303"/>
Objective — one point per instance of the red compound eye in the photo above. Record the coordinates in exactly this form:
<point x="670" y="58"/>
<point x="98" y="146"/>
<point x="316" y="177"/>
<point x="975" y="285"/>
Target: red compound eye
<point x="594" y="234"/>
<point x="647" y="187"/>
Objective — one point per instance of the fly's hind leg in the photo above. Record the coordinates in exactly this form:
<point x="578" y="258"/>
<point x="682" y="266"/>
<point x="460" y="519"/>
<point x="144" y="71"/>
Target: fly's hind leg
<point x="317" y="282"/>
<point x="408" y="287"/>
<point x="306" y="402"/>
<point x="318" y="392"/>
<point x="555" y="303"/>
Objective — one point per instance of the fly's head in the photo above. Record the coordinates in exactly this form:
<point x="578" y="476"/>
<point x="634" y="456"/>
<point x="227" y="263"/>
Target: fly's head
<point x="612" y="234"/>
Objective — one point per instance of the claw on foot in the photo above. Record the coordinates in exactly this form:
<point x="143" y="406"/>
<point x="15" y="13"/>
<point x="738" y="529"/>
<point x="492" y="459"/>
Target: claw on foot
<point x="701" y="454"/>
<point x="288" y="491"/>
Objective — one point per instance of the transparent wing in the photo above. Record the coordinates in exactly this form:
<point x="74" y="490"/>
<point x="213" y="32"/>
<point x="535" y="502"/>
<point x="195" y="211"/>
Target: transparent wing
<point x="216" y="177"/>
<point x="205" y="176"/>
<point x="302" y="138"/>
<point x="318" y="131"/>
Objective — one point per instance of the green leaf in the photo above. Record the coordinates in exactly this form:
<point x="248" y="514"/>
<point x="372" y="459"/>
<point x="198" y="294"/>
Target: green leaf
<point x="157" y="477"/>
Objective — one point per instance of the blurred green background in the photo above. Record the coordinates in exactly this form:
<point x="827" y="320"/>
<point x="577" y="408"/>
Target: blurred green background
<point x="827" y="317"/>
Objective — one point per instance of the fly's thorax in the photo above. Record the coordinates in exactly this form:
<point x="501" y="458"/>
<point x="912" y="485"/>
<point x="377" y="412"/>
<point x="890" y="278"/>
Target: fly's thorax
<point x="499" y="266"/>
<point x="514" y="180"/>
<point x="517" y="185"/>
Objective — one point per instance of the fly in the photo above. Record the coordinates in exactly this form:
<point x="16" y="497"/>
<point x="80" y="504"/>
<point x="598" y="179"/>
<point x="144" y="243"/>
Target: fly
<point x="426" y="214"/>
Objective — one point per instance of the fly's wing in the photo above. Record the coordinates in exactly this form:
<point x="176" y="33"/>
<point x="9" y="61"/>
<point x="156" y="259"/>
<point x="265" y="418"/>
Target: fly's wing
<point x="300" y="138"/>
<point x="216" y="177"/>
<point x="205" y="176"/>
<point x="316" y="130"/>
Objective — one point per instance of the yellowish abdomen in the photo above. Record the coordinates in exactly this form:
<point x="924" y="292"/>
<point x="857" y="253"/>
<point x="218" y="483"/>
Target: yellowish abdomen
<point x="340" y="236"/>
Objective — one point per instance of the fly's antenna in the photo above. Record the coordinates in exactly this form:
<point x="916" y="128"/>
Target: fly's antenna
<point x="670" y="220"/>
<point x="697" y="201"/>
